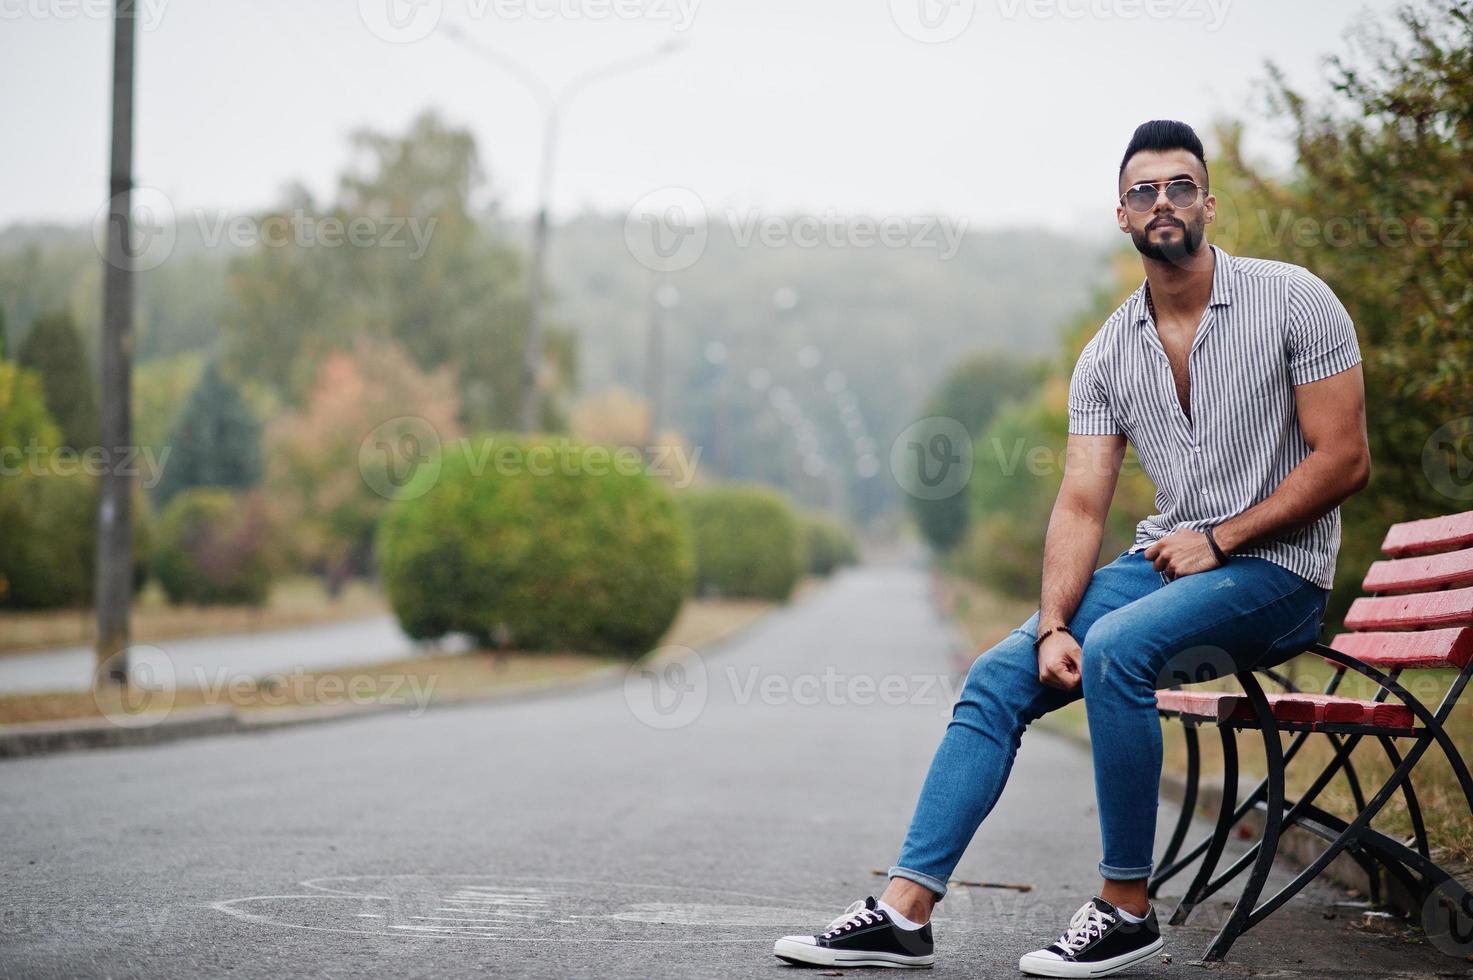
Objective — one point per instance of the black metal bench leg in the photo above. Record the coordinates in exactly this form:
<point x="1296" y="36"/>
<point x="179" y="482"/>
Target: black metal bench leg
<point x="1241" y="917"/>
<point x="1188" y="806"/>
<point x="1220" y="832"/>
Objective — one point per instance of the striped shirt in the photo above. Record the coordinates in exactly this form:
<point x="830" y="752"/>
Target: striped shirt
<point x="1268" y="326"/>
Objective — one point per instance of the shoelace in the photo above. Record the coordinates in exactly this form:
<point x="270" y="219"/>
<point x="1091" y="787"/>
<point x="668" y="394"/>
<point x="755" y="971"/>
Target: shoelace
<point x="1084" y="926"/>
<point x="854" y="915"/>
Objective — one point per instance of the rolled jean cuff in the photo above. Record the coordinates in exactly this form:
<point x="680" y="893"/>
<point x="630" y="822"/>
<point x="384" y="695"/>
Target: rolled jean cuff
<point x="924" y="880"/>
<point x="1124" y="874"/>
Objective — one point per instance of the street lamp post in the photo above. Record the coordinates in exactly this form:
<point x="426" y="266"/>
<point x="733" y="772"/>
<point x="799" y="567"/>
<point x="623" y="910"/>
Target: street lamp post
<point x="552" y="105"/>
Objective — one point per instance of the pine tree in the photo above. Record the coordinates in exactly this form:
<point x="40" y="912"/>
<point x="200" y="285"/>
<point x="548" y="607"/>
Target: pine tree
<point x="215" y="440"/>
<point x="53" y="349"/>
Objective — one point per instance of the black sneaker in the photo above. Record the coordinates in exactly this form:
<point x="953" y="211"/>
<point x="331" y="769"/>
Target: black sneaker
<point x="1097" y="943"/>
<point x="862" y="936"/>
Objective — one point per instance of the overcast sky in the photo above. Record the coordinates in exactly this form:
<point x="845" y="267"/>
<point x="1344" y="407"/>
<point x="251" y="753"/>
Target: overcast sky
<point x="1005" y="112"/>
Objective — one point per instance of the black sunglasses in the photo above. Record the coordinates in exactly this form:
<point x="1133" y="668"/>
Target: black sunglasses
<point x="1180" y="193"/>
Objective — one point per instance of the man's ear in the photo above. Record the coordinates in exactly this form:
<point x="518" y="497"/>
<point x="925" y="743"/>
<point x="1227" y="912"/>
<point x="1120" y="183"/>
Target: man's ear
<point x="1209" y="209"/>
<point x="1121" y="220"/>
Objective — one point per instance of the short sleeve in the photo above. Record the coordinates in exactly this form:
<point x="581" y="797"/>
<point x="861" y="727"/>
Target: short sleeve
<point x="1321" y="339"/>
<point x="1090" y="413"/>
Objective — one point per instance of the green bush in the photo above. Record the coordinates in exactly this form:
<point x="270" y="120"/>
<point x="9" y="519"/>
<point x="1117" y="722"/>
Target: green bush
<point x="748" y="541"/>
<point x="828" y="544"/>
<point x="48" y="550"/>
<point x="562" y="551"/>
<point x="212" y="549"/>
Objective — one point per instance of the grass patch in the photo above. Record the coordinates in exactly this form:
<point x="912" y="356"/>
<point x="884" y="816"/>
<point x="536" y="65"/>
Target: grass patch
<point x="987" y="618"/>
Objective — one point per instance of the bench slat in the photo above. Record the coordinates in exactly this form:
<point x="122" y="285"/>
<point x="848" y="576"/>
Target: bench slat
<point x="1424" y="609"/>
<point x="1221" y="706"/>
<point x="1429" y="535"/>
<point x="1447" y="570"/>
<point x="1428" y="648"/>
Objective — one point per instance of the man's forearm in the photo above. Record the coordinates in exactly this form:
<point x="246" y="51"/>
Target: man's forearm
<point x="1070" y="551"/>
<point x="1312" y="489"/>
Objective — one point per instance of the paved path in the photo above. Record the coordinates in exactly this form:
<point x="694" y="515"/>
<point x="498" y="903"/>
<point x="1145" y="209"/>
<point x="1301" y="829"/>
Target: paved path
<point x="570" y="836"/>
<point x="373" y="639"/>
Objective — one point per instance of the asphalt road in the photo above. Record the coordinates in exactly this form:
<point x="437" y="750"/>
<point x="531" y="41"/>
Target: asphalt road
<point x="370" y="640"/>
<point x="670" y="827"/>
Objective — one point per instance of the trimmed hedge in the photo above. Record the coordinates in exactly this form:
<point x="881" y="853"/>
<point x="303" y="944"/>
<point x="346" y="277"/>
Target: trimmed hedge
<point x="48" y="547"/>
<point x="748" y="540"/>
<point x="537" y="544"/>
<point x="829" y="544"/>
<point x="212" y="549"/>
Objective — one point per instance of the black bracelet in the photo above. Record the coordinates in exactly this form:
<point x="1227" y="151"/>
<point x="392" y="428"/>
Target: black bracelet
<point x="1222" y="558"/>
<point x="1050" y="632"/>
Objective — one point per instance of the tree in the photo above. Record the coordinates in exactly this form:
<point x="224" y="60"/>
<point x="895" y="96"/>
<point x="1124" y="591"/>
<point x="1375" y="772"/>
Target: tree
<point x="972" y="394"/>
<point x="1377" y="204"/>
<point x="24" y="419"/>
<point x="326" y="461"/>
<point x="430" y="277"/>
<point x="54" y="351"/>
<point x="215" y="440"/>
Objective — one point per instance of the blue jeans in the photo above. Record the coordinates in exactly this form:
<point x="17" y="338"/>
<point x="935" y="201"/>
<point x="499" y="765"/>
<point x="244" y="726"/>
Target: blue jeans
<point x="1138" y="633"/>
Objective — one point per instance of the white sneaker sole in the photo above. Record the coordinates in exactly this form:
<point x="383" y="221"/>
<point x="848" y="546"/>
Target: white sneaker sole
<point x="796" y="952"/>
<point x="1047" y="966"/>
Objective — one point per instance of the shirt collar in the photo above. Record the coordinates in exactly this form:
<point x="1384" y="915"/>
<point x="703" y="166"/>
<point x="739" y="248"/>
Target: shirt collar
<point x="1224" y="283"/>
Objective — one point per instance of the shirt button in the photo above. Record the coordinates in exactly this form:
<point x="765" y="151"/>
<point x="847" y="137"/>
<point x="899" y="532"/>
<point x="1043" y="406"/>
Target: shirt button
<point x="1196" y="449"/>
<point x="1204" y="491"/>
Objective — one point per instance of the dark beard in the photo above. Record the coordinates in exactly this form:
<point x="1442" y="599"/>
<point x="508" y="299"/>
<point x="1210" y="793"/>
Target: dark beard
<point x="1177" y="251"/>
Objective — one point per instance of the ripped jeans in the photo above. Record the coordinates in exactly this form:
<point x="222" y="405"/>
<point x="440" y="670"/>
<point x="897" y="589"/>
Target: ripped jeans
<point x="1138" y="633"/>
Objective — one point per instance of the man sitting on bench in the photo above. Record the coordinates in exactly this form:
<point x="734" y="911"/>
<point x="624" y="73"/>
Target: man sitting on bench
<point x="1238" y="382"/>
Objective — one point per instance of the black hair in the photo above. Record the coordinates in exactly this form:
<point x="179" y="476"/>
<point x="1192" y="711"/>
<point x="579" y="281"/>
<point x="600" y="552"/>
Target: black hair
<point x="1164" y="134"/>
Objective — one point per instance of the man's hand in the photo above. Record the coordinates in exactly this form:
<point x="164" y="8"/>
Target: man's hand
<point x="1058" y="661"/>
<point x="1183" y="552"/>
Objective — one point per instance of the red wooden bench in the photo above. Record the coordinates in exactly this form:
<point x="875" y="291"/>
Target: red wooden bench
<point x="1420" y="617"/>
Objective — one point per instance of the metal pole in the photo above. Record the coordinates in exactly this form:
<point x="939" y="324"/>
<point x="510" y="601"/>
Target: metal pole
<point x="114" y="518"/>
<point x="530" y="415"/>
